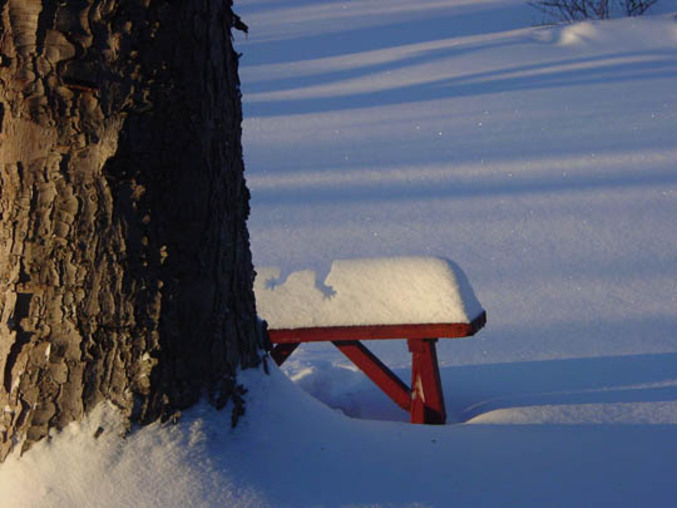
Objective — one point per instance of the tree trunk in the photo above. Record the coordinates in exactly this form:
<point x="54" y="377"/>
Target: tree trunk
<point x="125" y="271"/>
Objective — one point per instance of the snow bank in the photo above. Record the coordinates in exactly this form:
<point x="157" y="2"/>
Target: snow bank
<point x="377" y="291"/>
<point x="291" y="450"/>
<point x="90" y="464"/>
<point x="621" y="413"/>
<point x="623" y="34"/>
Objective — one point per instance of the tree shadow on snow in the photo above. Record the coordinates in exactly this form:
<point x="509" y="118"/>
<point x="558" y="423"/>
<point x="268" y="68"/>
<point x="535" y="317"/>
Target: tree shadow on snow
<point x="567" y="72"/>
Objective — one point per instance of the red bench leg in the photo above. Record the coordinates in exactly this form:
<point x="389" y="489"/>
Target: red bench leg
<point x="377" y="371"/>
<point x="282" y="351"/>
<point x="427" y="404"/>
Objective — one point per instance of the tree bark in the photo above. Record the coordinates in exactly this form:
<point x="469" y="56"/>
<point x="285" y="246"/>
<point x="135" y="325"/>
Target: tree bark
<point x="125" y="271"/>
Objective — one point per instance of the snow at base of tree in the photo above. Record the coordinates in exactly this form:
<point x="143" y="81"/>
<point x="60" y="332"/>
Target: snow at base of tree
<point x="378" y="291"/>
<point x="292" y="450"/>
<point x="91" y="464"/>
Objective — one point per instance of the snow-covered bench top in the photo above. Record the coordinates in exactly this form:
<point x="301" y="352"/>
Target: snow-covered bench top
<point x="367" y="292"/>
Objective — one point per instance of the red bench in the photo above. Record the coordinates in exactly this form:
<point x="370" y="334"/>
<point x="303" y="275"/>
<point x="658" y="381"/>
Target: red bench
<point x="424" y="400"/>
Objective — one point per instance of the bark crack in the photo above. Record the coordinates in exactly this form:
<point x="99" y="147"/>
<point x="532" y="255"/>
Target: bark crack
<point x="23" y="337"/>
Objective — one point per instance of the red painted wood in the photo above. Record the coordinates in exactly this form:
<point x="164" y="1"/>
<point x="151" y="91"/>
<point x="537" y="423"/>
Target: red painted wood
<point x="372" y="332"/>
<point x="282" y="351"/>
<point x="425" y="400"/>
<point x="377" y="371"/>
<point x="427" y="405"/>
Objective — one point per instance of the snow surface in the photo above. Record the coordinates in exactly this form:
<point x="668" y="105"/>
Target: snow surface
<point x="378" y="291"/>
<point x="542" y="160"/>
<point x="291" y="450"/>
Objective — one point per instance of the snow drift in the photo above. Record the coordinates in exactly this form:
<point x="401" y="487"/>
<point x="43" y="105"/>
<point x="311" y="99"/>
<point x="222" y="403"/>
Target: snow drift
<point x="378" y="291"/>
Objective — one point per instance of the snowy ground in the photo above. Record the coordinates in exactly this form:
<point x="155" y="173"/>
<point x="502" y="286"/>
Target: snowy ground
<point x="540" y="159"/>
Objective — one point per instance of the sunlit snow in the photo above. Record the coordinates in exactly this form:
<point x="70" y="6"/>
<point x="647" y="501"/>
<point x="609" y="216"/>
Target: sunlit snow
<point x="377" y="291"/>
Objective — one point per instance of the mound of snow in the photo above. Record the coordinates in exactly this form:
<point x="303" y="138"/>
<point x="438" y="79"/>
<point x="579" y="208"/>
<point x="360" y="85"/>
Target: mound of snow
<point x="90" y="463"/>
<point x="377" y="291"/>
<point x="621" y="413"/>
<point x="290" y="450"/>
<point x="626" y="34"/>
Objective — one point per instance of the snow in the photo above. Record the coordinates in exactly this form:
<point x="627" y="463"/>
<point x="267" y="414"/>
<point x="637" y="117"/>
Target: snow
<point x="291" y="450"/>
<point x="541" y="159"/>
<point x="378" y="291"/>
<point x="155" y="466"/>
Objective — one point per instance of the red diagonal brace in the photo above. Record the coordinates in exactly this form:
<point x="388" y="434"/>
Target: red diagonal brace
<point x="377" y="371"/>
<point x="427" y="405"/>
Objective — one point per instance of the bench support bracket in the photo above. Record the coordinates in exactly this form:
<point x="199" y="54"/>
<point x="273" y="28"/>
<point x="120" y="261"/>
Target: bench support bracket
<point x="377" y="371"/>
<point x="425" y="400"/>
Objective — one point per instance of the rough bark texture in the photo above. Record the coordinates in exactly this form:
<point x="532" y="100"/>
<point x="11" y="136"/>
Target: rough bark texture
<point x="125" y="271"/>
